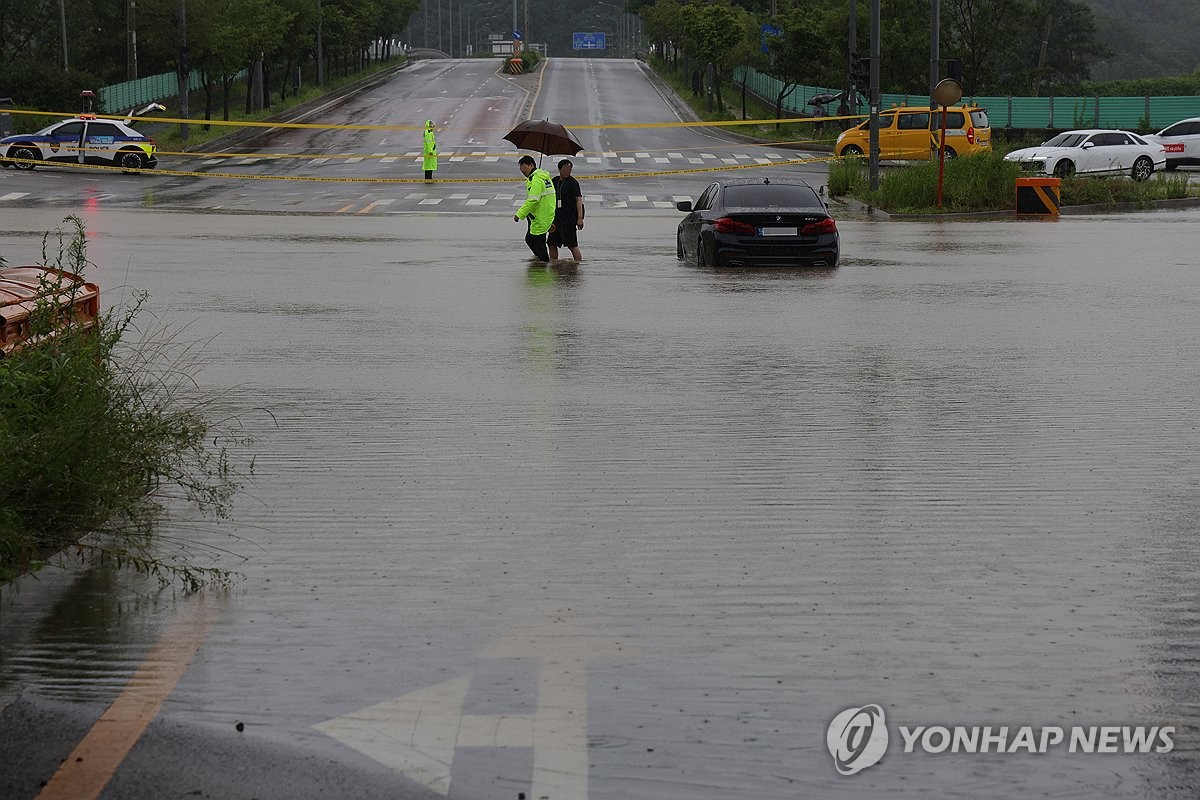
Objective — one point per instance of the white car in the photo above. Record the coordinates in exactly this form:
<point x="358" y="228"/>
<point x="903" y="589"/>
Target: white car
<point x="1095" y="152"/>
<point x="1180" y="141"/>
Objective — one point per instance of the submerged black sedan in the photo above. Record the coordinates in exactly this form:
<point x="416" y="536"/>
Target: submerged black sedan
<point x="758" y="222"/>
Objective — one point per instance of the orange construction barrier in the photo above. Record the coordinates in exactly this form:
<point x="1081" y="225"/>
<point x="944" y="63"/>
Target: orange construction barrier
<point x="1038" y="196"/>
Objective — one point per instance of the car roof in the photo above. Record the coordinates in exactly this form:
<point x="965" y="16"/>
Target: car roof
<point x="774" y="181"/>
<point x="1089" y="131"/>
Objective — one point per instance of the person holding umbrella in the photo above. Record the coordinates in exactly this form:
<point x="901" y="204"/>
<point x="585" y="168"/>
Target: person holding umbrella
<point x="539" y="205"/>
<point x="429" y="151"/>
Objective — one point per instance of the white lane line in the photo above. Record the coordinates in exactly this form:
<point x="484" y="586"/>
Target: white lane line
<point x="354" y="160"/>
<point x="429" y="201"/>
<point x="659" y="160"/>
<point x="663" y="204"/>
<point x="696" y="160"/>
<point x="627" y="160"/>
<point x="317" y="161"/>
<point x="707" y="155"/>
<point x="492" y="158"/>
<point x="14" y="196"/>
<point x="388" y="160"/>
<point x="675" y="155"/>
<point x="593" y="159"/>
<point x="729" y="160"/>
<point x="637" y="198"/>
<point x="477" y="201"/>
<point x="642" y="155"/>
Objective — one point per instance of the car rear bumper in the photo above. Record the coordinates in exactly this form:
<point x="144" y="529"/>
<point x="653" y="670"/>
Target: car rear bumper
<point x="730" y="252"/>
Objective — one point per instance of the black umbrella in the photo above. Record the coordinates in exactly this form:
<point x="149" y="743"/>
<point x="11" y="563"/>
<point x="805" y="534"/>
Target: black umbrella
<point x="545" y="137"/>
<point x="828" y="97"/>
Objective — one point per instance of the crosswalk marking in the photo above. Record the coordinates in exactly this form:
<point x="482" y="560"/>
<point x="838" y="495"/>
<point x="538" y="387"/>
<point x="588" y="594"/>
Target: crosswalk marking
<point x="477" y="201"/>
<point x="429" y="201"/>
<point x="13" y="196"/>
<point x="316" y="161"/>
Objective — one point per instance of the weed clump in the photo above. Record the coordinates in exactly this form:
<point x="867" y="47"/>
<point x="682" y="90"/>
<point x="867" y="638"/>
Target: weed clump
<point x="99" y="436"/>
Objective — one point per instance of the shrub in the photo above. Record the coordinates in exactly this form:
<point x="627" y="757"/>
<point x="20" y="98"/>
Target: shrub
<point x="971" y="183"/>
<point x="97" y="436"/>
<point x="529" y="58"/>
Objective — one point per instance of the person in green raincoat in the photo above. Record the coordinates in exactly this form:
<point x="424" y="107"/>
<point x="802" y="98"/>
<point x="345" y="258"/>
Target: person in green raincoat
<point x="539" y="206"/>
<point x="429" y="151"/>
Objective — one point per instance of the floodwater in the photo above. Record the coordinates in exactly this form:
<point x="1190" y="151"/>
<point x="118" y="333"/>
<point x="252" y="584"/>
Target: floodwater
<point x="956" y="477"/>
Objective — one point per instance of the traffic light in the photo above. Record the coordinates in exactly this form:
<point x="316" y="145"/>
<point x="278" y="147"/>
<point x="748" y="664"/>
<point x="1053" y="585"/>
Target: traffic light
<point x="860" y="69"/>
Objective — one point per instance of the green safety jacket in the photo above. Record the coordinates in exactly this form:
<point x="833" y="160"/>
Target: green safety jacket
<point x="430" y="149"/>
<point x="540" y="202"/>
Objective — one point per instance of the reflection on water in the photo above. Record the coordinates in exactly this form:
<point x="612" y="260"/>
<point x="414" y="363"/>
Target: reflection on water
<point x="85" y="640"/>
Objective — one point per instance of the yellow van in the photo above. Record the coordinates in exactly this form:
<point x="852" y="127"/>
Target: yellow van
<point x="908" y="133"/>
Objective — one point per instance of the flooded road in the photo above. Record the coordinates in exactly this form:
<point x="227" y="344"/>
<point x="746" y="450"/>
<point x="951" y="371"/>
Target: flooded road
<point x="641" y="530"/>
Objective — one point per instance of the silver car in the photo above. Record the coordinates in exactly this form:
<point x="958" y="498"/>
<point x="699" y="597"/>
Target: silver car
<point x="1093" y="152"/>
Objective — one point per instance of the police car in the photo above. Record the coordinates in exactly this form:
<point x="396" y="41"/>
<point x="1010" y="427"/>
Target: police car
<point x="1181" y="142"/>
<point x="85" y="139"/>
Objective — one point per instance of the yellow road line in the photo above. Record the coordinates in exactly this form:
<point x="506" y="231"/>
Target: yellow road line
<point x="92" y="764"/>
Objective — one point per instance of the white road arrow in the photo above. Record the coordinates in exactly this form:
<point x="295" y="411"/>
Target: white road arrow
<point x="417" y="733"/>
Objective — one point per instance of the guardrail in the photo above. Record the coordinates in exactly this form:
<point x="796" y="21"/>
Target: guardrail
<point x="1008" y="112"/>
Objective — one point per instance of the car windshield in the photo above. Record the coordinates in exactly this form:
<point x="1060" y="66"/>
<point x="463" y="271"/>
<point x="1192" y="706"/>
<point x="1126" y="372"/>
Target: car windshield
<point x="1066" y="140"/>
<point x="773" y="195"/>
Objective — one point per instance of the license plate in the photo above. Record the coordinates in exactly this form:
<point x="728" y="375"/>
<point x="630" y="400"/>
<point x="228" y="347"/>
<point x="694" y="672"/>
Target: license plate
<point x="777" y="232"/>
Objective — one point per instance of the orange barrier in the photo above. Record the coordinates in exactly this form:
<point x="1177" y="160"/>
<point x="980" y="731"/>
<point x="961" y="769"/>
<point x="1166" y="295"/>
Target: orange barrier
<point x="1038" y="196"/>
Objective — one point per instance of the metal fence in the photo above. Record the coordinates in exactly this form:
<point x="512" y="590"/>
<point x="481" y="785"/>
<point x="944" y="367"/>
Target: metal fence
<point x="124" y="96"/>
<point x="1007" y="112"/>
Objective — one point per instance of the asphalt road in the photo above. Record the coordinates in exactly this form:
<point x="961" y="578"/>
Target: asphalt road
<point x="636" y="529"/>
<point x="378" y="170"/>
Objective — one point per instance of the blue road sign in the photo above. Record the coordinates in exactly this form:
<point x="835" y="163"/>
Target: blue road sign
<point x="588" y="41"/>
<point x="517" y="35"/>
<point x="769" y="30"/>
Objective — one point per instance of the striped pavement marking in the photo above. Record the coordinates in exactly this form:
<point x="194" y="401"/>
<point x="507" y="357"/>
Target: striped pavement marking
<point x="13" y="196"/>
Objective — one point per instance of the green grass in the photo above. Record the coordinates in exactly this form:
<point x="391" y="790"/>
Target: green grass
<point x="98" y="436"/>
<point x="986" y="182"/>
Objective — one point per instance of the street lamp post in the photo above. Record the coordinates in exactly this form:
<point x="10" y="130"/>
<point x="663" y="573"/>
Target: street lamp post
<point x="620" y="24"/>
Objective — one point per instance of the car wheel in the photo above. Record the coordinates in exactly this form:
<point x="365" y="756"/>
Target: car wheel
<point x="130" y="160"/>
<point x="1064" y="168"/>
<point x="851" y="151"/>
<point x="950" y="154"/>
<point x="27" y="155"/>
<point x="679" y="245"/>
<point x="701" y="260"/>
<point x="1143" y="168"/>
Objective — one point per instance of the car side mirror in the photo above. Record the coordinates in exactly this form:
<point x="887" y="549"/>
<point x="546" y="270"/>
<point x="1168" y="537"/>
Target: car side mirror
<point x="684" y="205"/>
<point x="1088" y="145"/>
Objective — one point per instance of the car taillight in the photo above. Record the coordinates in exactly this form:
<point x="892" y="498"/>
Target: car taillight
<point x="970" y="136"/>
<point x="731" y="225"/>
<point x="817" y="228"/>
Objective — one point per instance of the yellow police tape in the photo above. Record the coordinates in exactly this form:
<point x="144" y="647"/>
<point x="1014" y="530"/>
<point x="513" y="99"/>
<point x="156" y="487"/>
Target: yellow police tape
<point x="318" y="179"/>
<point x="326" y="126"/>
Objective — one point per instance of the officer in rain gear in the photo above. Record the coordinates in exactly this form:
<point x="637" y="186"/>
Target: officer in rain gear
<point x="538" y="207"/>
<point x="430" y="150"/>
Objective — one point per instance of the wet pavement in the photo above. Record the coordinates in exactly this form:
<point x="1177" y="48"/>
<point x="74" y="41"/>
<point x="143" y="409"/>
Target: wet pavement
<point x="693" y="514"/>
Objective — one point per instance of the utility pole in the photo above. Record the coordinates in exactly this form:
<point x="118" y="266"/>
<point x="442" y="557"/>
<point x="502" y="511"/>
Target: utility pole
<point x="875" y="99"/>
<point x="320" y="48"/>
<point x="185" y="71"/>
<point x="852" y="88"/>
<point x="935" y="44"/>
<point x="62" y="17"/>
<point x="131" y="70"/>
